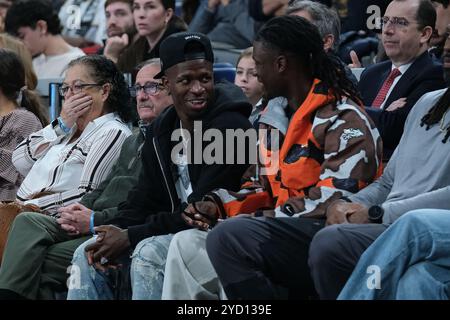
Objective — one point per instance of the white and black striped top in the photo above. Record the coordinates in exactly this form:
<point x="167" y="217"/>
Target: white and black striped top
<point x="67" y="171"/>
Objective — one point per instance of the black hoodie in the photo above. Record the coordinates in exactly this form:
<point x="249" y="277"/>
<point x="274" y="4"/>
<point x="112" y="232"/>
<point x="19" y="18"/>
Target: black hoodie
<point x="153" y="206"/>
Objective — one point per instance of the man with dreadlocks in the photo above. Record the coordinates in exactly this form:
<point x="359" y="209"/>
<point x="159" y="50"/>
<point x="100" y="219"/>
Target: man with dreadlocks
<point x="331" y="149"/>
<point x="416" y="177"/>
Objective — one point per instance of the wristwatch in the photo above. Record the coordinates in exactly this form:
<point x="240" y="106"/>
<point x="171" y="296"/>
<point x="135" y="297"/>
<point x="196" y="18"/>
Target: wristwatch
<point x="376" y="214"/>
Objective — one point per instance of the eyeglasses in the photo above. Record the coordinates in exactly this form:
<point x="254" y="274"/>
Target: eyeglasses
<point x="150" y="88"/>
<point x="76" y="87"/>
<point x="395" y="21"/>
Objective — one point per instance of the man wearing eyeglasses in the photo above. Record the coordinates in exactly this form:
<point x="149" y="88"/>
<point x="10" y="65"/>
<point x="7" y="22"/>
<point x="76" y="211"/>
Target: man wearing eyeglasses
<point x="391" y="88"/>
<point x="101" y="204"/>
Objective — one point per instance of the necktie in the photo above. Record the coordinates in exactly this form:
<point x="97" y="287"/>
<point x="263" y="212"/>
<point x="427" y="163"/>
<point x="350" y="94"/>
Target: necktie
<point x="378" y="101"/>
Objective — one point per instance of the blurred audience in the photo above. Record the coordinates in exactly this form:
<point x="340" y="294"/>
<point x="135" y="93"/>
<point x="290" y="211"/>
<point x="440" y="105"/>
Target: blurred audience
<point x="154" y="21"/>
<point x="38" y="26"/>
<point x="92" y="22"/>
<point x="120" y="29"/>
<point x="225" y="22"/>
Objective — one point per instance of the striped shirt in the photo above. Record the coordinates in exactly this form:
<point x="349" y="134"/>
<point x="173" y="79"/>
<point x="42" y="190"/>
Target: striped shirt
<point x="66" y="171"/>
<point x="14" y="128"/>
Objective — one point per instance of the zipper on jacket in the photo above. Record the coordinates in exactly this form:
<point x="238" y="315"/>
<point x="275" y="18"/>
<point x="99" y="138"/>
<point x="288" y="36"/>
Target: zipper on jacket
<point x="164" y="176"/>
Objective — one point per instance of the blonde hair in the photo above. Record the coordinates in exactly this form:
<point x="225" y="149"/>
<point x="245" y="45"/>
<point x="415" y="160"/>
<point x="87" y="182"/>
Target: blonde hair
<point x="18" y="47"/>
<point x="244" y="54"/>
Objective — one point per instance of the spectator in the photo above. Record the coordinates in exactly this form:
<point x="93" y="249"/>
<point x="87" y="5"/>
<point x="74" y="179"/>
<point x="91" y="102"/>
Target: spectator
<point x="247" y="80"/>
<point x="225" y="22"/>
<point x="120" y="27"/>
<point x="327" y="21"/>
<point x="37" y="25"/>
<point x="92" y="22"/>
<point x="19" y="117"/>
<point x="330" y="149"/>
<point x="46" y="244"/>
<point x="73" y="154"/>
<point x="154" y="21"/>
<point x="19" y="48"/>
<point x="152" y="212"/>
<point x="392" y="87"/>
<point x="416" y="177"/>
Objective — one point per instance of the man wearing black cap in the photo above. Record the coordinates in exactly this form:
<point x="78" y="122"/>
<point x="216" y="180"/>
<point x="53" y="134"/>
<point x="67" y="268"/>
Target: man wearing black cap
<point x="169" y="181"/>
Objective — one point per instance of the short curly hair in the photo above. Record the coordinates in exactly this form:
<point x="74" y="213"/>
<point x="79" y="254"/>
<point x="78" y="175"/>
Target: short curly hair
<point x="26" y="13"/>
<point x="102" y="71"/>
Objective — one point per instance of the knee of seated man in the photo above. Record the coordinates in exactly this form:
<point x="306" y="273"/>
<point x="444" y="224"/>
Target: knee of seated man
<point x="152" y="251"/>
<point x="231" y="228"/>
<point x="25" y="217"/>
<point x="188" y="243"/>
<point x="226" y="232"/>
<point x="80" y="252"/>
<point x="324" y="244"/>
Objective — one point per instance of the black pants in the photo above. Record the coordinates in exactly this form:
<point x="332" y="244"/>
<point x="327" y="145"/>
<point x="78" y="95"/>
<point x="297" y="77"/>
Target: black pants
<point x="263" y="258"/>
<point x="334" y="253"/>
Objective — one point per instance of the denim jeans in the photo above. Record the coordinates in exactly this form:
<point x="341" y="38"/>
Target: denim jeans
<point x="410" y="260"/>
<point x="147" y="272"/>
<point x="147" y="267"/>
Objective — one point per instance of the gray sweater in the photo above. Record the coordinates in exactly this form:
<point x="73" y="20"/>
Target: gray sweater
<point x="418" y="174"/>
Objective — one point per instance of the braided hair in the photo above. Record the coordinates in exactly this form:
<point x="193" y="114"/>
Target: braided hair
<point x="436" y="113"/>
<point x="298" y="36"/>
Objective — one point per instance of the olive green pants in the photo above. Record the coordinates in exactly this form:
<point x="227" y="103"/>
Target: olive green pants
<point x="37" y="256"/>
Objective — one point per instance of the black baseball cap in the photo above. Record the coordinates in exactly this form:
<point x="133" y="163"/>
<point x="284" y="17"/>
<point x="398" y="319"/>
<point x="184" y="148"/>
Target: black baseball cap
<point x="184" y="46"/>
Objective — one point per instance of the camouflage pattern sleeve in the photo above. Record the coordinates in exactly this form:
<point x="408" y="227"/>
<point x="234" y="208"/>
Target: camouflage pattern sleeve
<point x="352" y="153"/>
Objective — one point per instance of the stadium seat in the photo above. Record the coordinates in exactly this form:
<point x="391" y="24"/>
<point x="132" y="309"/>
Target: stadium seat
<point x="224" y="74"/>
<point x="219" y="65"/>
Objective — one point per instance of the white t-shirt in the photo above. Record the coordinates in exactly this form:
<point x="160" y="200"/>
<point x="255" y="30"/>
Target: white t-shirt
<point x="55" y="66"/>
<point x="183" y="183"/>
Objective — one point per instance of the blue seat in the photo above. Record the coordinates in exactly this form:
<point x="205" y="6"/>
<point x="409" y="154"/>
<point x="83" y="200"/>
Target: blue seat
<point x="224" y="74"/>
<point x="220" y="65"/>
<point x="178" y="8"/>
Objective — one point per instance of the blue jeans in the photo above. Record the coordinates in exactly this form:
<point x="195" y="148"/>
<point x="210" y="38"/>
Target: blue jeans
<point x="410" y="260"/>
<point x="147" y="272"/>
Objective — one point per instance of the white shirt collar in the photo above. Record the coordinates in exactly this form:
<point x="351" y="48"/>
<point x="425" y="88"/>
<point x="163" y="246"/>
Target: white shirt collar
<point x="403" y="68"/>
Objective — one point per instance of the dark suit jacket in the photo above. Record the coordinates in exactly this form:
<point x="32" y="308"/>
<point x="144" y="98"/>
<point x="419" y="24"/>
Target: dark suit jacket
<point x="424" y="75"/>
